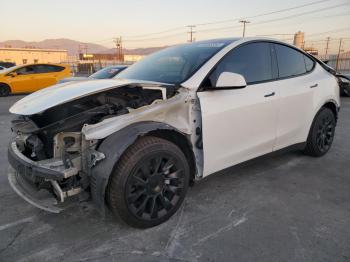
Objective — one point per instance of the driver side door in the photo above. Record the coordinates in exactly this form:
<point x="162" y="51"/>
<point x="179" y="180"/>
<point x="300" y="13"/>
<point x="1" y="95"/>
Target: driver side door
<point x="240" y="124"/>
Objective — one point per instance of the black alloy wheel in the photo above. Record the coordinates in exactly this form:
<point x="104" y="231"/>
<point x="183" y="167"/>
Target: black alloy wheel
<point x="149" y="183"/>
<point x="4" y="90"/>
<point x="322" y="133"/>
<point x="155" y="186"/>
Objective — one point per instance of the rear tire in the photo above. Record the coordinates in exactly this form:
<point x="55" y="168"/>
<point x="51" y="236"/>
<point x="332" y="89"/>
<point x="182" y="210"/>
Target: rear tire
<point x="321" y="135"/>
<point x="345" y="91"/>
<point x="4" y="90"/>
<point x="149" y="183"/>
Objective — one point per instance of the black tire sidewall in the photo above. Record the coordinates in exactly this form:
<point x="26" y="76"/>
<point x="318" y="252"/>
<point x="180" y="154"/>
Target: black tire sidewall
<point x="312" y="140"/>
<point x="4" y="90"/>
<point x="122" y="174"/>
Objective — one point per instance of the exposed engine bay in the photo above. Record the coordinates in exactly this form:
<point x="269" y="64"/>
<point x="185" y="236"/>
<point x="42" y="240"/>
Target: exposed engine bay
<point x="41" y="129"/>
<point x="52" y="139"/>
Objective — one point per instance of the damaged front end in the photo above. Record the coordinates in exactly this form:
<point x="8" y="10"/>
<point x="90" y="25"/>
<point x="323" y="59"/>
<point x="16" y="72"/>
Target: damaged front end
<point x="50" y="155"/>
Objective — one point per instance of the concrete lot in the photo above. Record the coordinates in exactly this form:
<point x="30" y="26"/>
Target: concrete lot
<point x="288" y="207"/>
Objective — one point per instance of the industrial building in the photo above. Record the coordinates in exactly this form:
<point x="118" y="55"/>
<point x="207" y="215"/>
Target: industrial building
<point x="22" y="56"/>
<point x="299" y="41"/>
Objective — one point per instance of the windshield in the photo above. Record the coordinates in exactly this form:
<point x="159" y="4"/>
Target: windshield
<point x="176" y="64"/>
<point x="105" y="73"/>
<point x="8" y="70"/>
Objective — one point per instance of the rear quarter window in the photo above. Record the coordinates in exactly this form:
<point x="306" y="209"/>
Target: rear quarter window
<point x="309" y="63"/>
<point x="53" y="68"/>
<point x="290" y="61"/>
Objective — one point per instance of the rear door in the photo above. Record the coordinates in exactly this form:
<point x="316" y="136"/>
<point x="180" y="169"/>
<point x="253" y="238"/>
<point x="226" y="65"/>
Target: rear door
<point x="296" y="86"/>
<point x="240" y="124"/>
<point x="46" y="75"/>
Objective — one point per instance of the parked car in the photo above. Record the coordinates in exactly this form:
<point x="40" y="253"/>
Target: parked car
<point x="7" y="64"/>
<point x="30" y="78"/>
<point x="105" y="73"/>
<point x="344" y="84"/>
<point x="136" y="142"/>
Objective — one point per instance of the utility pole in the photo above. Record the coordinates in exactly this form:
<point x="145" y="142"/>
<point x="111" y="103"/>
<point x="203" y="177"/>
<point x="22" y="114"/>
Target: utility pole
<point x="327" y="47"/>
<point x="191" y="32"/>
<point x="337" y="64"/>
<point x="119" y="45"/>
<point x="244" y="22"/>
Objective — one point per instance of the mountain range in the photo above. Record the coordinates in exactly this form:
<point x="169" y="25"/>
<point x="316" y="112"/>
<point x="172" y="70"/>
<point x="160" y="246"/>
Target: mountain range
<point x="73" y="46"/>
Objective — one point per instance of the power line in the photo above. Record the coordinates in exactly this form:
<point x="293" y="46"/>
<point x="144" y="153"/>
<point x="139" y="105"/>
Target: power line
<point x="265" y="14"/>
<point x="277" y="19"/>
<point x="229" y="20"/>
<point x="154" y="38"/>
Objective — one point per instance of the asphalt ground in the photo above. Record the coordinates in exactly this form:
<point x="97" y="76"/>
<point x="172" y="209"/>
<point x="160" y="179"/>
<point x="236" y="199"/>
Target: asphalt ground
<point x="285" y="207"/>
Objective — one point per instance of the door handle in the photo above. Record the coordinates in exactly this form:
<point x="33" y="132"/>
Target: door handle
<point x="271" y="94"/>
<point x="313" y="86"/>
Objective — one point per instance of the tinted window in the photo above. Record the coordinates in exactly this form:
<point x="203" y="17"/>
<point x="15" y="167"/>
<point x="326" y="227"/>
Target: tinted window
<point x="41" y="69"/>
<point x="253" y="61"/>
<point x="309" y="63"/>
<point x="53" y="68"/>
<point x="290" y="61"/>
<point x="27" y="70"/>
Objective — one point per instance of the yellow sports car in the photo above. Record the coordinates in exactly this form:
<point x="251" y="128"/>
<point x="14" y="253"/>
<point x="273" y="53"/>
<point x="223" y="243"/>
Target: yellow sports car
<point x="30" y="78"/>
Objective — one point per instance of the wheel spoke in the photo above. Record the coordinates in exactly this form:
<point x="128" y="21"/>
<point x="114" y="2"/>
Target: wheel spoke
<point x="165" y="202"/>
<point x="135" y="196"/>
<point x="145" y="169"/>
<point x="157" y="164"/>
<point x="138" y="181"/>
<point x="153" y="210"/>
<point x="141" y="208"/>
<point x="168" y="165"/>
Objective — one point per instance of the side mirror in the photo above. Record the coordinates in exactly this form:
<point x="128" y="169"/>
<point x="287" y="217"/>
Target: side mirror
<point x="230" y="80"/>
<point x="12" y="74"/>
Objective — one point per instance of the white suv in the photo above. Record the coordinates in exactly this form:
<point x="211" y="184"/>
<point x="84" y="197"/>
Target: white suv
<point x="135" y="143"/>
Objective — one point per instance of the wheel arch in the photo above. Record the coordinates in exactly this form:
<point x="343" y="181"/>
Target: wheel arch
<point x="332" y="105"/>
<point x="5" y="84"/>
<point x="115" y="145"/>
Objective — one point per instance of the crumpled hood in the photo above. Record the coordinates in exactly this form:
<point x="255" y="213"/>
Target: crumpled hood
<point x="62" y="93"/>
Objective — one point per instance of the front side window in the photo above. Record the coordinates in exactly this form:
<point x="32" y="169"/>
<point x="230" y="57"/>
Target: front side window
<point x="253" y="61"/>
<point x="27" y="70"/>
<point x="290" y="61"/>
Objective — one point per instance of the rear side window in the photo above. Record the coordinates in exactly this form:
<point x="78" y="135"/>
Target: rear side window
<point x="40" y="69"/>
<point x="290" y="61"/>
<point x="253" y="61"/>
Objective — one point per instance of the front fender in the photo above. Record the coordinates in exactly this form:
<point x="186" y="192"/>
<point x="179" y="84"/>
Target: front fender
<point x="113" y="147"/>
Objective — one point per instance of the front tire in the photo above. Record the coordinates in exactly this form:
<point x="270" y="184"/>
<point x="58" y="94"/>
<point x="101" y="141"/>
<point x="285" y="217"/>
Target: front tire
<point x="4" y="90"/>
<point x="321" y="135"/>
<point x="149" y="182"/>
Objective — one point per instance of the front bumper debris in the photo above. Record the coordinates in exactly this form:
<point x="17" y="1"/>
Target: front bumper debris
<point x="41" y="199"/>
<point x="50" y="169"/>
<point x="25" y="177"/>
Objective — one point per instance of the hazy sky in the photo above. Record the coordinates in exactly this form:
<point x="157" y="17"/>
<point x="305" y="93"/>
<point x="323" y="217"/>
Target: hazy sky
<point x="100" y="21"/>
